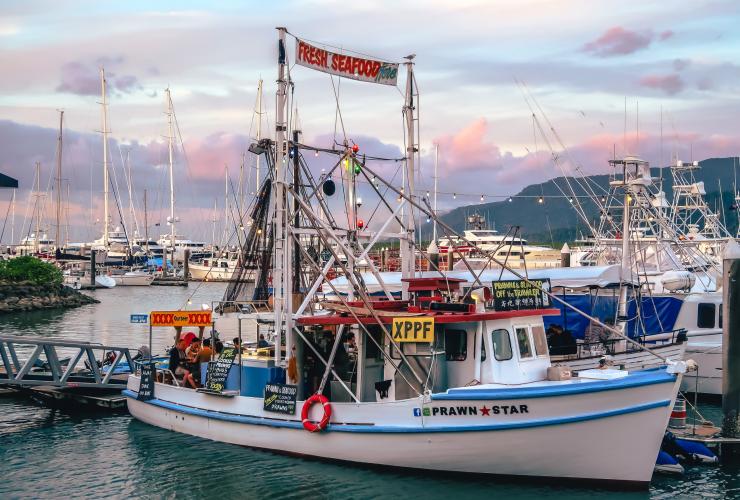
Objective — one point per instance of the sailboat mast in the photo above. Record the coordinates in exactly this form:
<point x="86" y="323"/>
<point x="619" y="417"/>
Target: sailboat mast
<point x="408" y="260"/>
<point x="57" y="234"/>
<point x="38" y="208"/>
<point x="104" y="104"/>
<point x="146" y="224"/>
<point x="170" y="138"/>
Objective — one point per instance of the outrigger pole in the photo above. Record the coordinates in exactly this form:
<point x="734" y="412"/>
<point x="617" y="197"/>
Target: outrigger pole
<point x="408" y="258"/>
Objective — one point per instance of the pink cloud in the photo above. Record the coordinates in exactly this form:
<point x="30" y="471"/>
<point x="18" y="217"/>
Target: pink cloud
<point x="670" y="84"/>
<point x="618" y="41"/>
<point x="469" y="148"/>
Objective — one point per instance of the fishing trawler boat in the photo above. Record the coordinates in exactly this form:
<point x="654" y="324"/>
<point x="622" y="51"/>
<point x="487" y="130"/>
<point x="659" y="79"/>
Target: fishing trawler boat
<point x="475" y="398"/>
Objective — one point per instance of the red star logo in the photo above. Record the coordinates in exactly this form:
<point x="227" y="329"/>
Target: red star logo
<point x="485" y="411"/>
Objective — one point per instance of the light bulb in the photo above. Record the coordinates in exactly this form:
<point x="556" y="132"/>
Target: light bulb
<point x="454" y="196"/>
<point x="316" y="154"/>
<point x="481" y="197"/>
<point x="511" y="199"/>
<point x="570" y="199"/>
<point x="540" y="200"/>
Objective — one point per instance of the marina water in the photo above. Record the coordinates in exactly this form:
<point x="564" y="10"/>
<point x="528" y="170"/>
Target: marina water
<point x="50" y="453"/>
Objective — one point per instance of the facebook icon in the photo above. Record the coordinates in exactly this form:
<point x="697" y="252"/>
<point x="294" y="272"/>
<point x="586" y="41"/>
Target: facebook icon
<point x="417" y="412"/>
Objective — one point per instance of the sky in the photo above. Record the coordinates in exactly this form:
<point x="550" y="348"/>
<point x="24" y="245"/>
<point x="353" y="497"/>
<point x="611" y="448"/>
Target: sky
<point x="601" y="78"/>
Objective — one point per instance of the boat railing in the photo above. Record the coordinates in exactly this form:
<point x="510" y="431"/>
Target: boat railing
<point x="612" y="346"/>
<point x="242" y="306"/>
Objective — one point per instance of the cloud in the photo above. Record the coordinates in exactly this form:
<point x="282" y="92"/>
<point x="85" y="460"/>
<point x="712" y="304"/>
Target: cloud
<point x="618" y="41"/>
<point x="670" y="84"/>
<point x="84" y="79"/>
<point x="469" y="148"/>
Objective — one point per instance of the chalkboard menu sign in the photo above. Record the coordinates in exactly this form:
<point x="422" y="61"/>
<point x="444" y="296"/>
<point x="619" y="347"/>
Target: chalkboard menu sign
<point x="146" y="385"/>
<point x="218" y="370"/>
<point x="280" y="398"/>
<point x="514" y="295"/>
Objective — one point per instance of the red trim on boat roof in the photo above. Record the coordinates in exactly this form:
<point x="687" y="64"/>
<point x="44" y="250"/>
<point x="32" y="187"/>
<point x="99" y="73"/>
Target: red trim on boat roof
<point x="439" y="317"/>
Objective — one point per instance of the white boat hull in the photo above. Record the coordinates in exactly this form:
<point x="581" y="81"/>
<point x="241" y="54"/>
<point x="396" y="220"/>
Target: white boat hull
<point x="608" y="436"/>
<point x="708" y="378"/>
<point x="207" y="273"/>
<point x="105" y="281"/>
<point x="138" y="279"/>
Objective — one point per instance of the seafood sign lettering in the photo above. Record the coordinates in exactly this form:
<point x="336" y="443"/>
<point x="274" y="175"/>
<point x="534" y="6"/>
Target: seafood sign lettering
<point x="413" y="329"/>
<point x="356" y="68"/>
<point x="180" y="318"/>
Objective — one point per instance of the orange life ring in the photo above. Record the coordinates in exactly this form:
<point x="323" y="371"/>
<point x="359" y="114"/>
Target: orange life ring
<point x="307" y="424"/>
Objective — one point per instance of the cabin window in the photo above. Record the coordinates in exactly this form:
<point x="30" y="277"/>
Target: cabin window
<point x="483" y="349"/>
<point x="540" y="340"/>
<point x="705" y="315"/>
<point x="456" y="342"/>
<point x="371" y="348"/>
<point x="522" y="340"/>
<point x="501" y="345"/>
<point x="225" y="265"/>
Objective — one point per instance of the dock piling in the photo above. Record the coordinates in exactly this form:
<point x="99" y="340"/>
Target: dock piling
<point x="731" y="340"/>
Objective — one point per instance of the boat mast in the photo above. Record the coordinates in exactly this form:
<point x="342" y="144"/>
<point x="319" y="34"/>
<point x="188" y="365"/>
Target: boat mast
<point x="104" y="104"/>
<point x="434" y="209"/>
<point x="259" y="131"/>
<point x="57" y="234"/>
<point x="38" y="208"/>
<point x="170" y="138"/>
<point x="281" y="271"/>
<point x="146" y="224"/>
<point x="408" y="260"/>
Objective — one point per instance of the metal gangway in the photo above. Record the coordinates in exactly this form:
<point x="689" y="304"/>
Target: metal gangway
<point x="56" y="371"/>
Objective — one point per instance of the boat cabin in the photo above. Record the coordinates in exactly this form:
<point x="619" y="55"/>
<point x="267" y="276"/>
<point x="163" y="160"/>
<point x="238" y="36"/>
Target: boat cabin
<point x="443" y="337"/>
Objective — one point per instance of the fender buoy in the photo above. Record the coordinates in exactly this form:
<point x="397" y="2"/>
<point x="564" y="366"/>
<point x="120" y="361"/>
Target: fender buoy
<point x="307" y="424"/>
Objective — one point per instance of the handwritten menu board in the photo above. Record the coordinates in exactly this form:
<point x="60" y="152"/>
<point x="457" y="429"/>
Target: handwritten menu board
<point x="513" y="295"/>
<point x="146" y="385"/>
<point x="280" y="398"/>
<point x="218" y="370"/>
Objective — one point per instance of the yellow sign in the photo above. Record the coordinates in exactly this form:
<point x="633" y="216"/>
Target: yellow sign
<point x="413" y="329"/>
<point x="180" y="318"/>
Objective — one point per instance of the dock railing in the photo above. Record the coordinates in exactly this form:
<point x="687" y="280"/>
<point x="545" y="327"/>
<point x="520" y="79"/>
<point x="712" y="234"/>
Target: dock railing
<point x="58" y="372"/>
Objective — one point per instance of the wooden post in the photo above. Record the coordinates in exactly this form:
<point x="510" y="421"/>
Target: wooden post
<point x="186" y="265"/>
<point x="92" y="266"/>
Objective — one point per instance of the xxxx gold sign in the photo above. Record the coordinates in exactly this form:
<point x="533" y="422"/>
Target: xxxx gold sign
<point x="180" y="318"/>
<point x="413" y="329"/>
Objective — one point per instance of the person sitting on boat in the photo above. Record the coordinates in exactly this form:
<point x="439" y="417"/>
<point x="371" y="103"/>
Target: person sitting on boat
<point x="561" y="342"/>
<point x="191" y="353"/>
<point x="177" y="365"/>
<point x="192" y="356"/>
<point x="206" y="353"/>
<point x="236" y="343"/>
<point x="262" y="342"/>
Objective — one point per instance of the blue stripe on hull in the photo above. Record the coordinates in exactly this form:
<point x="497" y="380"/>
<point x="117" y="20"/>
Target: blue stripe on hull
<point x="241" y="419"/>
<point x="638" y="379"/>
